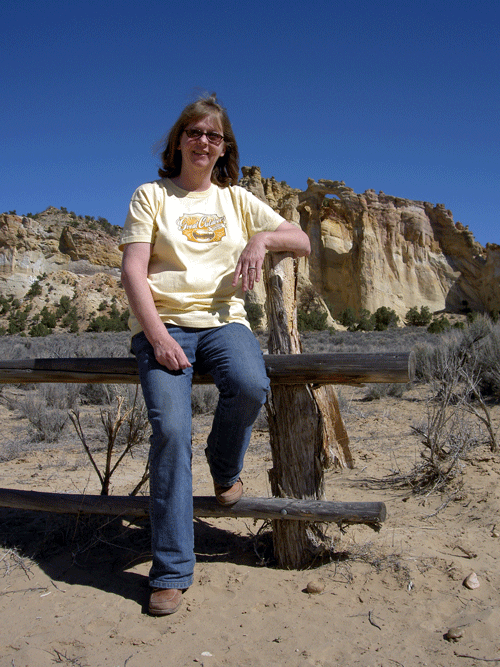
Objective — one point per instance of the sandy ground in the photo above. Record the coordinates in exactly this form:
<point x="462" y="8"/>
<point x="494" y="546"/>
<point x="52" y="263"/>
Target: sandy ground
<point x="75" y="593"/>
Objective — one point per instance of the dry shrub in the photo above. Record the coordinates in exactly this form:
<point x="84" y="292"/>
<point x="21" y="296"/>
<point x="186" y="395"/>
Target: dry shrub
<point x="60" y="345"/>
<point x="477" y="346"/>
<point x="448" y="437"/>
<point x="376" y="391"/>
<point x="125" y="427"/>
<point x="12" y="560"/>
<point x="45" y="406"/>
<point x="392" y="340"/>
<point x="59" y="396"/>
<point x="204" y="399"/>
<point x="47" y="422"/>
<point x="466" y="365"/>
<point x="489" y="359"/>
<point x="262" y="422"/>
<point x="13" y="449"/>
<point x="98" y="394"/>
<point x="456" y="412"/>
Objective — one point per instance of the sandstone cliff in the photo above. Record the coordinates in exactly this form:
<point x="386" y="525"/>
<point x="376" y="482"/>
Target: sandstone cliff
<point x="368" y="250"/>
<point x="53" y="241"/>
<point x="66" y="256"/>
<point x="371" y="250"/>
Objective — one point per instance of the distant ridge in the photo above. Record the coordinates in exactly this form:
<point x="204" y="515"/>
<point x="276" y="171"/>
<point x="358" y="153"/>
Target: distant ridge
<point x="62" y="271"/>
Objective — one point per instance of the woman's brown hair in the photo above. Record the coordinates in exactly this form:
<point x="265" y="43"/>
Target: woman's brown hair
<point x="227" y="167"/>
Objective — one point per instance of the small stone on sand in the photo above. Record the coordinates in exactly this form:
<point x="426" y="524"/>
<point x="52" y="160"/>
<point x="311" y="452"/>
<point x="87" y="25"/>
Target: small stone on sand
<point x="471" y="581"/>
<point x="315" y="587"/>
<point x="454" y="634"/>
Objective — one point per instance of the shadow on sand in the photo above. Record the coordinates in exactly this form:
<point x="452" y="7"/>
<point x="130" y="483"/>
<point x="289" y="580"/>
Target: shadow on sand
<point x="104" y="552"/>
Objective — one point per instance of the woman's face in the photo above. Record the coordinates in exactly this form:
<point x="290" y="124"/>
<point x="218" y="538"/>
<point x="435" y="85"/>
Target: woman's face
<point x="200" y="154"/>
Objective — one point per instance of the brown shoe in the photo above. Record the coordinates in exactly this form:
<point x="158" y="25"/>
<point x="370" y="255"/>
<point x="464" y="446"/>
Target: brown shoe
<point x="228" y="495"/>
<point x="163" y="601"/>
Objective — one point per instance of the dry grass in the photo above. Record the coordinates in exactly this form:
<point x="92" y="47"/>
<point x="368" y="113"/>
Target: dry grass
<point x="448" y="434"/>
<point x="66" y="345"/>
<point x="392" y="340"/>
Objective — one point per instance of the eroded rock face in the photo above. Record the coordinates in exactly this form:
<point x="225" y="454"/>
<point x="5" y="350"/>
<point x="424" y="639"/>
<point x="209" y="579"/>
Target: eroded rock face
<point x="30" y="248"/>
<point x="371" y="250"/>
<point x="368" y="250"/>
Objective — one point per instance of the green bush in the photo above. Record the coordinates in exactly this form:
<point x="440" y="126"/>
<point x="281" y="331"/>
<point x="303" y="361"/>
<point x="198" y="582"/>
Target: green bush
<point x="39" y="329"/>
<point x="414" y="318"/>
<point x="347" y="318"/>
<point x="255" y="313"/>
<point x="385" y="318"/>
<point x="365" y="321"/>
<point x="63" y="307"/>
<point x="70" y="320"/>
<point x="472" y="316"/>
<point x="17" y="320"/>
<point x="312" y="321"/>
<point x="439" y="326"/>
<point x="34" y="290"/>
<point x="4" y="305"/>
<point x="47" y="318"/>
<point x="114" y="322"/>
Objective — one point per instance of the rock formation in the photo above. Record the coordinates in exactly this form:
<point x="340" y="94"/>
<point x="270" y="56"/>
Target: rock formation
<point x="67" y="255"/>
<point x="52" y="242"/>
<point x="368" y="250"/>
<point x="372" y="250"/>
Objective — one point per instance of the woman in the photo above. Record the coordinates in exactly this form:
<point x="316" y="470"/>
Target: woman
<point x="193" y="243"/>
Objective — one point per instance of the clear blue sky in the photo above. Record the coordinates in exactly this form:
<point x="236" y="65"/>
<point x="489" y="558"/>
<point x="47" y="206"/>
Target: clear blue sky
<point x="401" y="96"/>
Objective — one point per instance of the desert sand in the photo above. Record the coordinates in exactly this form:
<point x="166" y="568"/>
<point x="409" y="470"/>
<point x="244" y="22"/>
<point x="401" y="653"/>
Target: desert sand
<point x="75" y="592"/>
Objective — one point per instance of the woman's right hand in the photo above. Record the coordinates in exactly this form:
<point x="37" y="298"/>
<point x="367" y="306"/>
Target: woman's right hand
<point x="134" y="279"/>
<point x="169" y="353"/>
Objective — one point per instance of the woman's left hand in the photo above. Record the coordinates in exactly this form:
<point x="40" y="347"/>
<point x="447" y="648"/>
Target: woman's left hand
<point x="249" y="266"/>
<point x="285" y="238"/>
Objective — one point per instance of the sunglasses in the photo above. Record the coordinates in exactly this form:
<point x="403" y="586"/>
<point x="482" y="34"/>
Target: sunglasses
<point x="213" y="137"/>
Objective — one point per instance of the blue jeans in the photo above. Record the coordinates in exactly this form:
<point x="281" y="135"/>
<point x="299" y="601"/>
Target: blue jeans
<point x="231" y="354"/>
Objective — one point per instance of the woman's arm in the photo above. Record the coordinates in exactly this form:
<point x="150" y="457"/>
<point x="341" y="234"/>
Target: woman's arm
<point x="286" y="238"/>
<point x="135" y="264"/>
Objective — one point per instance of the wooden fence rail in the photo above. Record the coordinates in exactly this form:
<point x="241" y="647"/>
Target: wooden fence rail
<point x="289" y="370"/>
<point x="285" y="509"/>
<point x="283" y="369"/>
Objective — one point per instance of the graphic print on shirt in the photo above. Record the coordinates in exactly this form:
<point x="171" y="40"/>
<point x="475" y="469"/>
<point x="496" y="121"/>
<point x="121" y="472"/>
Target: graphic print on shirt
<point x="202" y="227"/>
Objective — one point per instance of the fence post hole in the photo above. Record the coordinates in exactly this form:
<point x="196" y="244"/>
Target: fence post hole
<point x="306" y="430"/>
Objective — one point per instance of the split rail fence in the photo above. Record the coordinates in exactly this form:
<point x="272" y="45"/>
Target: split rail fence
<point x="283" y="370"/>
<point x="298" y="495"/>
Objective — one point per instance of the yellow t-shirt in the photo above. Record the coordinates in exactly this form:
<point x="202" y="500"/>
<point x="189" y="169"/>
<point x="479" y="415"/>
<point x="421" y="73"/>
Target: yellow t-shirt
<point x="197" y="240"/>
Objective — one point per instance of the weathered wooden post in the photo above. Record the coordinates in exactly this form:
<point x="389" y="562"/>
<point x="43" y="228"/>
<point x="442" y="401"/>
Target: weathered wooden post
<point x="306" y="430"/>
